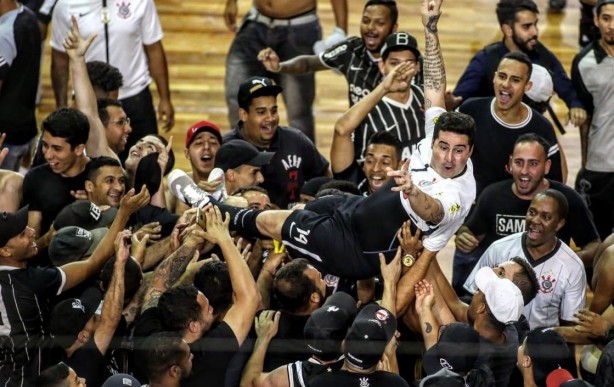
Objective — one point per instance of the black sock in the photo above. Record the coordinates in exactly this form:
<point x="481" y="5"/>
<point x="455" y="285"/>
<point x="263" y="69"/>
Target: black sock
<point x="242" y="220"/>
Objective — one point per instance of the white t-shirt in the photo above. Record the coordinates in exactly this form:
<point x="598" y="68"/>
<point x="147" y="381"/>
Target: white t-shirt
<point x="456" y="194"/>
<point x="132" y="24"/>
<point x="560" y="274"/>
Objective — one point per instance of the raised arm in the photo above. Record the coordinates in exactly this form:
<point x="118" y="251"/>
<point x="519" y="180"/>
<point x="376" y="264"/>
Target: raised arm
<point x="434" y="69"/>
<point x="77" y="272"/>
<point x="391" y="273"/>
<point x="114" y="298"/>
<point x="246" y="297"/>
<point x="266" y="325"/>
<point x="85" y="99"/>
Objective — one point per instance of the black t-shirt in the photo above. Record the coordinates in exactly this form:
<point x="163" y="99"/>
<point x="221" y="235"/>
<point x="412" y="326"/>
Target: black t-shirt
<point x="346" y="378"/>
<point x="494" y="141"/>
<point x="296" y="161"/>
<point x="302" y="372"/>
<point x="89" y="363"/>
<point x="288" y="345"/>
<point x="212" y="354"/>
<point x="49" y="193"/>
<point x="501" y="358"/>
<point x="499" y="213"/>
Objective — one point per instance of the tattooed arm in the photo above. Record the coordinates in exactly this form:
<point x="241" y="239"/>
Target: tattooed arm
<point x="434" y="69"/>
<point x="424" y="303"/>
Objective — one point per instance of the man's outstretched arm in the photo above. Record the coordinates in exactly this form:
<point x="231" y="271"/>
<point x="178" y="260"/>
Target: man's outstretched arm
<point x="434" y="69"/>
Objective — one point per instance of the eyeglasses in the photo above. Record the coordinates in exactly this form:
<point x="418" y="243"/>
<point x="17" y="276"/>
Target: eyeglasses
<point x="122" y="122"/>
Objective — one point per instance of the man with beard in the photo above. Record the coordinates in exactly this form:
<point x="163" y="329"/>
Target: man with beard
<point x="518" y="22"/>
<point x="592" y="77"/>
<point x="501" y="209"/>
<point x="357" y="58"/>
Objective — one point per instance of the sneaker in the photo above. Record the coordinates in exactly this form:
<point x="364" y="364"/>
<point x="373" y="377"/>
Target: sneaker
<point x="220" y="193"/>
<point x="185" y="190"/>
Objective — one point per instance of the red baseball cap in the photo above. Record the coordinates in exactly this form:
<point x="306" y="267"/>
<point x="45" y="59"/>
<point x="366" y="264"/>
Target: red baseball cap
<point x="202" y="126"/>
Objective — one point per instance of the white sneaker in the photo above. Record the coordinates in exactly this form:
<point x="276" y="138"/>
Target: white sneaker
<point x="220" y="193"/>
<point x="184" y="188"/>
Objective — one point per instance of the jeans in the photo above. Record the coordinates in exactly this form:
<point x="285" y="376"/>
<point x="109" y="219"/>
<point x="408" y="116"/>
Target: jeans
<point x="288" y="42"/>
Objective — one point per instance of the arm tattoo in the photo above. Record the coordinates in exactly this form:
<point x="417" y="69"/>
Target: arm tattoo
<point x="152" y="300"/>
<point x="173" y="266"/>
<point x="431" y="25"/>
<point x="428" y="328"/>
<point x="434" y="70"/>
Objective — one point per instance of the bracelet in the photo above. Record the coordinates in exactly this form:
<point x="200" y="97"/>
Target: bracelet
<point x="408" y="260"/>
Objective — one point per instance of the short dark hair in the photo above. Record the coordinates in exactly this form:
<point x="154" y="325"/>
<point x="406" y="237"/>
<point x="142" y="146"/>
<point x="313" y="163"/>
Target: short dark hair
<point x="521" y="57"/>
<point x="178" y="307"/>
<point x="213" y="280"/>
<point x="385" y="138"/>
<point x="104" y="76"/>
<point x="455" y="122"/>
<point x="536" y="138"/>
<point x="390" y="4"/>
<point x="54" y="376"/>
<point x="291" y="286"/>
<point x="159" y="352"/>
<point x="343" y="186"/>
<point x="133" y="276"/>
<point x="96" y="163"/>
<point x="561" y="201"/>
<point x="103" y="113"/>
<point x="69" y="124"/>
<point x="525" y="280"/>
<point x="257" y="188"/>
<point x="507" y="10"/>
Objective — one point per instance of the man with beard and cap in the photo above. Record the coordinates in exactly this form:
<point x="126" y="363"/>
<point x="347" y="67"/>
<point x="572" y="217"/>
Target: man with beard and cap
<point x="591" y="75"/>
<point x="518" y="22"/>
<point x="357" y="57"/>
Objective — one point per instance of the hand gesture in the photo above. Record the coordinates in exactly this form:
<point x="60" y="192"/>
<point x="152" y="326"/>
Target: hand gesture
<point x="230" y="15"/>
<point x="431" y="11"/>
<point x="152" y="230"/>
<point x="139" y="246"/>
<point x="4" y="152"/>
<point x="163" y="156"/>
<point x="391" y="272"/>
<point x="74" y="44"/>
<point x="425" y="298"/>
<point x="269" y="60"/>
<point x="465" y="241"/>
<point x="592" y="323"/>
<point x="166" y="116"/>
<point x="400" y="77"/>
<point x="217" y="226"/>
<point x="410" y="243"/>
<point x="131" y="203"/>
<point x="402" y="178"/>
<point x="194" y="236"/>
<point x="122" y="246"/>
<point x="244" y="250"/>
<point x="267" y="324"/>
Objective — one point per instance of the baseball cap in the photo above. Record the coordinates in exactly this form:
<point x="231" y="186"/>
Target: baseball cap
<point x="502" y="297"/>
<point x="443" y="378"/>
<point x="12" y="224"/>
<point x="327" y="326"/>
<point x="235" y="153"/>
<point x="121" y="380"/>
<point x="69" y="317"/>
<point x="547" y="349"/>
<point x="370" y="333"/>
<point x="84" y="214"/>
<point x="202" y="126"/>
<point x="445" y="353"/>
<point x="558" y="377"/>
<point x="255" y="87"/>
<point x="402" y="40"/>
<point x="72" y="243"/>
<point x="542" y="88"/>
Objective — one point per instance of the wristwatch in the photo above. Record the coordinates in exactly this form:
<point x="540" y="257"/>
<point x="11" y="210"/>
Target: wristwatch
<point x="408" y="260"/>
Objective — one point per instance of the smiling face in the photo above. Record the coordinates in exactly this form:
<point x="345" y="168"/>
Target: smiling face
<point x="377" y="158"/>
<point x="22" y="246"/>
<point x="108" y="187"/>
<point x="375" y="26"/>
<point x="143" y="147"/>
<point x="260" y="120"/>
<point x="451" y="151"/>
<point x="529" y="166"/>
<point x="542" y="221"/>
<point x="510" y="83"/>
<point x="60" y="156"/>
<point x="118" y="128"/>
<point x="201" y="152"/>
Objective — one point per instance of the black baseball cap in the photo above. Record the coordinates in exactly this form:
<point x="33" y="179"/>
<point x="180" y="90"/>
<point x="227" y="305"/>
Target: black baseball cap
<point x="84" y="214"/>
<point x="327" y="326"/>
<point x="445" y="353"/>
<point x="255" y="87"/>
<point x="371" y="331"/>
<point x="400" y="40"/>
<point x="73" y="243"/>
<point x="69" y="317"/>
<point x="12" y="224"/>
<point x="235" y="153"/>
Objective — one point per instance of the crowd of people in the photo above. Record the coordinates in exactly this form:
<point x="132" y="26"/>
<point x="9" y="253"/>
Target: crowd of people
<point x="267" y="265"/>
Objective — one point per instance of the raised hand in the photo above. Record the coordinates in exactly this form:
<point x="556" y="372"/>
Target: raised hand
<point x="400" y="77"/>
<point x="431" y="11"/>
<point x="163" y="156"/>
<point x="425" y="298"/>
<point x="122" y="245"/>
<point x="217" y="226"/>
<point x="410" y="243"/>
<point x="269" y="60"/>
<point x="402" y="178"/>
<point x="391" y="272"/>
<point x="132" y="203"/>
<point x="74" y="44"/>
<point x="267" y="324"/>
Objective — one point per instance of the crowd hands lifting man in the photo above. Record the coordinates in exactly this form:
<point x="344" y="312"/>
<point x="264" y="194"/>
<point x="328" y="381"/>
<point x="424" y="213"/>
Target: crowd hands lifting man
<point x="266" y="265"/>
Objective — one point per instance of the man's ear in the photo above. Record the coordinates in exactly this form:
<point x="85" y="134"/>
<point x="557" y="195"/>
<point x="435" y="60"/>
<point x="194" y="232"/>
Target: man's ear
<point x="560" y="225"/>
<point x="315" y="298"/>
<point x="380" y="65"/>
<point x="507" y="30"/>
<point x="89" y="186"/>
<point x="79" y="149"/>
<point x="175" y="371"/>
<point x="243" y="114"/>
<point x="83" y="337"/>
<point x="193" y="326"/>
<point x="230" y="175"/>
<point x="5" y="252"/>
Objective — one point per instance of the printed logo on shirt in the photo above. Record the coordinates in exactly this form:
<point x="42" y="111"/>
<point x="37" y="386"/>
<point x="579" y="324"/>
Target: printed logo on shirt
<point x="357" y="93"/>
<point x="455" y="207"/>
<point x="426" y="183"/>
<point x="364" y="382"/>
<point x="292" y="161"/>
<point x="123" y="10"/>
<point x="335" y="52"/>
<point x="509" y="224"/>
<point x="546" y="283"/>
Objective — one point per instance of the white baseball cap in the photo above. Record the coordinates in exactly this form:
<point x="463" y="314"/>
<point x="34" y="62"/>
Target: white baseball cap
<point x="503" y="298"/>
<point x="542" y="88"/>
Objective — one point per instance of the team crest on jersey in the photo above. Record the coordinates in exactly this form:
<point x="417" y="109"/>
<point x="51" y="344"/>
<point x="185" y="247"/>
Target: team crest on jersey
<point x="454" y="208"/>
<point x="76" y="304"/>
<point x="331" y="280"/>
<point x="547" y="283"/>
<point x="123" y="10"/>
<point x="426" y="183"/>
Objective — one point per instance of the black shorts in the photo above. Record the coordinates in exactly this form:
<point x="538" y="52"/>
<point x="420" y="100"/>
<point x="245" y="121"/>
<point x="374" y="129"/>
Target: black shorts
<point x="329" y="242"/>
